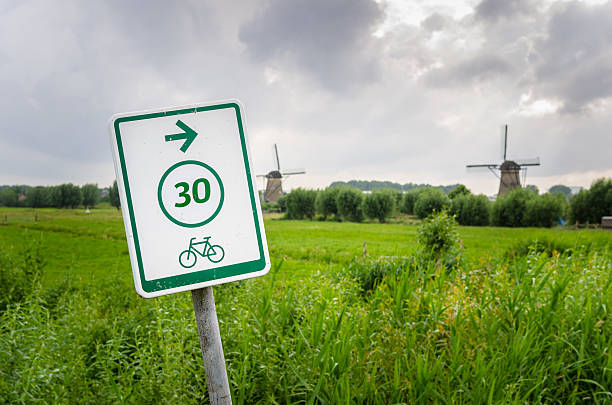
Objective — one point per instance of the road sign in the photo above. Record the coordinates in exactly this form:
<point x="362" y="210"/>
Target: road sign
<point x="188" y="195"/>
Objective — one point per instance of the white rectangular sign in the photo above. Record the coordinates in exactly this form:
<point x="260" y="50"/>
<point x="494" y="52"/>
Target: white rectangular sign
<point x="188" y="197"/>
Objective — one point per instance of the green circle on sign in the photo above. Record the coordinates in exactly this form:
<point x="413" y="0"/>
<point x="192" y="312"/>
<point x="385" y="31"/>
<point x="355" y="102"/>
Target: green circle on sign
<point x="161" y="202"/>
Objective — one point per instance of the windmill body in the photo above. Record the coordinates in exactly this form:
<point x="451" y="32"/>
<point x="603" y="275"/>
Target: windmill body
<point x="274" y="180"/>
<point x="510" y="170"/>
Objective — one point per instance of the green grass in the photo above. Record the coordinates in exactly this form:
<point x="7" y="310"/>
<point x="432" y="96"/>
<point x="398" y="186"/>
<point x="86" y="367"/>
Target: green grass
<point x="531" y="326"/>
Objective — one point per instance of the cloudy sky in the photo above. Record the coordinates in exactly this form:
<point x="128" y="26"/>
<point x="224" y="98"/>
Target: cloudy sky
<point x="407" y="91"/>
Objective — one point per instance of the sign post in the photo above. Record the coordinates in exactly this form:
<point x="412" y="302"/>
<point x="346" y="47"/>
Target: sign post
<point x="191" y="210"/>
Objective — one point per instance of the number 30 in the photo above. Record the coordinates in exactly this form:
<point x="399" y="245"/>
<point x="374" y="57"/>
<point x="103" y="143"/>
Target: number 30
<point x="195" y="190"/>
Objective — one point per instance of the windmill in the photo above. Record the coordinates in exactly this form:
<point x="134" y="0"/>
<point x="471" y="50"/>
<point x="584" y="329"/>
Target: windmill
<point x="510" y="170"/>
<point x="274" y="180"/>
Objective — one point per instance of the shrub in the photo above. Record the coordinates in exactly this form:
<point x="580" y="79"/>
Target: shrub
<point x="301" y="203"/>
<point x="325" y="204"/>
<point x="590" y="205"/>
<point x="380" y="205"/>
<point x="348" y="203"/>
<point x="510" y="209"/>
<point x="438" y="237"/>
<point x="20" y="272"/>
<point x="542" y="211"/>
<point x="282" y="203"/>
<point x="429" y="201"/>
<point x="470" y="209"/>
<point x="408" y="200"/>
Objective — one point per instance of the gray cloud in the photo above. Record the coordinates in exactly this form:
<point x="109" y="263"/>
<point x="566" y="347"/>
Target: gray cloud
<point x="478" y="69"/>
<point x="494" y="10"/>
<point x="574" y="60"/>
<point x="330" y="40"/>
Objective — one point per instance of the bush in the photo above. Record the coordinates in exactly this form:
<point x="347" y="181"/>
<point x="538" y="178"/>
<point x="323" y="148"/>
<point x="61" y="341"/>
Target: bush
<point x="408" y="200"/>
<point x="301" y="204"/>
<point x="429" y="201"/>
<point x="438" y="237"/>
<point x="510" y="209"/>
<point x="470" y="209"/>
<point x="590" y="205"/>
<point x="543" y="211"/>
<point x="348" y="203"/>
<point x="380" y="205"/>
<point x="20" y="273"/>
<point x="325" y="204"/>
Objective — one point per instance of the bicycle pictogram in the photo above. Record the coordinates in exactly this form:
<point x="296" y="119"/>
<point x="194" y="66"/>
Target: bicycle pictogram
<point x="189" y="257"/>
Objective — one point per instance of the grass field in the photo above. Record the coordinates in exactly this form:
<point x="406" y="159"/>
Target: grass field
<point x="507" y="325"/>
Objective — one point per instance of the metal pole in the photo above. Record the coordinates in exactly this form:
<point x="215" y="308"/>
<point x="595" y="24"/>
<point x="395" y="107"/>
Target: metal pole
<point x="210" y="343"/>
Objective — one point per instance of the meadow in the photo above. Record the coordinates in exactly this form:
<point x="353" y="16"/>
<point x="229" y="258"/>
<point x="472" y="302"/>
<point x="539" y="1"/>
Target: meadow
<point x="349" y="313"/>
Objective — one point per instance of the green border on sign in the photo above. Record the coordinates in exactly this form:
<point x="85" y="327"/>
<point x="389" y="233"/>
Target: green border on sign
<point x="203" y="275"/>
<point x="161" y="202"/>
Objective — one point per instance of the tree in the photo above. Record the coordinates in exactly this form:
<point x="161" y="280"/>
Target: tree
<point x="301" y="203"/>
<point x="543" y="211"/>
<point x="429" y="201"/>
<point x="113" y="195"/>
<point x="325" y="204"/>
<point x="510" y="209"/>
<point x="533" y="188"/>
<point x="470" y="209"/>
<point x="38" y="197"/>
<point x="579" y="207"/>
<point x="560" y="189"/>
<point x="9" y="197"/>
<point x="91" y="194"/>
<point x="348" y="203"/>
<point x="459" y="190"/>
<point x="410" y="197"/>
<point x="379" y="204"/>
<point x="600" y="200"/>
<point x="71" y="195"/>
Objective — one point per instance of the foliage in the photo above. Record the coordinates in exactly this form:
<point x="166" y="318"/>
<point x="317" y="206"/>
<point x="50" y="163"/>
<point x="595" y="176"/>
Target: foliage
<point x="349" y="203"/>
<point x="8" y="197"/>
<point x="560" y="189"/>
<point x="543" y="211"/>
<point x="371" y="185"/>
<point x="438" y="236"/>
<point x="325" y="204"/>
<point x="470" y="209"/>
<point x="533" y="188"/>
<point x="38" y="197"/>
<point x="20" y="271"/>
<point x="66" y="196"/>
<point x="408" y="200"/>
<point x="282" y="203"/>
<point x="379" y="205"/>
<point x="113" y="195"/>
<point x="458" y="191"/>
<point x="534" y="329"/>
<point x="91" y="195"/>
<point x="509" y="210"/>
<point x="301" y="204"/>
<point x="429" y="201"/>
<point x="590" y="205"/>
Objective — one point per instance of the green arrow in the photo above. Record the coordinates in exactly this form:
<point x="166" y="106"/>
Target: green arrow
<point x="189" y="135"/>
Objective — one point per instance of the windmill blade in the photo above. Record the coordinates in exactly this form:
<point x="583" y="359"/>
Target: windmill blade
<point x="504" y="141"/>
<point x="276" y="154"/>
<point x="528" y="162"/>
<point x="294" y="171"/>
<point x="490" y="165"/>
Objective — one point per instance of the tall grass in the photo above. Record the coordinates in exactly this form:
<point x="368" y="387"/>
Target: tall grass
<point x="532" y="329"/>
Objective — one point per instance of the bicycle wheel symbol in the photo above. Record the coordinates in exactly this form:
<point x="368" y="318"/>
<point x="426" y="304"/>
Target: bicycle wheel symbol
<point x="187" y="259"/>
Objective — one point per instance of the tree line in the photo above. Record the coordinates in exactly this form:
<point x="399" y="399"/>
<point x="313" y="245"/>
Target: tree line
<point x="65" y="195"/>
<point x="521" y="207"/>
